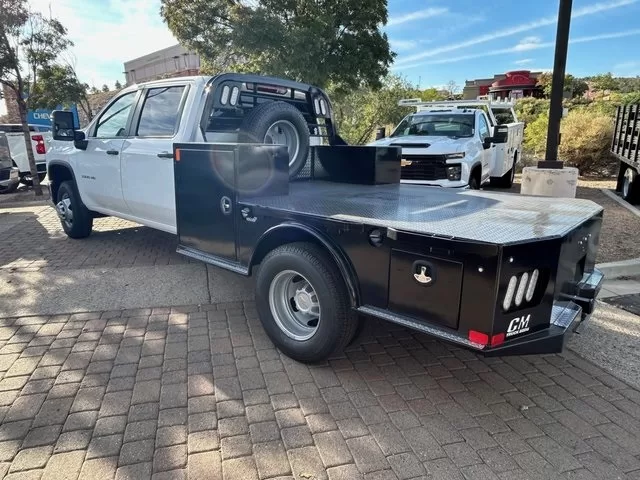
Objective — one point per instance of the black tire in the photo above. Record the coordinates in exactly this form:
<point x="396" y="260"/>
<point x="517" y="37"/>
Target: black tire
<point x="26" y="179"/>
<point x="474" y="183"/>
<point x="81" y="222"/>
<point x="631" y="186"/>
<point x="255" y="125"/>
<point x="9" y="189"/>
<point x="337" y="322"/>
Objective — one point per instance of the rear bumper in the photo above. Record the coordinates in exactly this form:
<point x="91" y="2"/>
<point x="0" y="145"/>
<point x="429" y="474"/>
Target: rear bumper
<point x="567" y="313"/>
<point x="9" y="177"/>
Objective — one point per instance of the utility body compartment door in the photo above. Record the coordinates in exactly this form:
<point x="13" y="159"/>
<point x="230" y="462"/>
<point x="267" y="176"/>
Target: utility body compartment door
<point x="425" y="287"/>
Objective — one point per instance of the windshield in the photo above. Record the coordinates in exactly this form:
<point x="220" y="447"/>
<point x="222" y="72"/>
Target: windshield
<point x="444" y="125"/>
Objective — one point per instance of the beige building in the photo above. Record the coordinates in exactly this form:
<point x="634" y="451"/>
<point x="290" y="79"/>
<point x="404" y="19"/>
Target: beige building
<point x="175" y="61"/>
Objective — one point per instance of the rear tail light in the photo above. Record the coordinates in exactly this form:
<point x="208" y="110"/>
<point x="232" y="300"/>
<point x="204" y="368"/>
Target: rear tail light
<point x="40" y="148"/>
<point x="484" y="339"/>
<point x="521" y="289"/>
<point x="478" y="337"/>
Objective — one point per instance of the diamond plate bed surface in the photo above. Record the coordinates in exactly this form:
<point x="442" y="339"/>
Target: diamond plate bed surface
<point x="466" y="214"/>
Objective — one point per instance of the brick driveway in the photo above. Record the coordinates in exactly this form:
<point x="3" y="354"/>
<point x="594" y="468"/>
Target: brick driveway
<point x="201" y="393"/>
<point x="33" y="238"/>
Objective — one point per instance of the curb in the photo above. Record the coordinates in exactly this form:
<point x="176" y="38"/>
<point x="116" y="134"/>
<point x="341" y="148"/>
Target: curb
<point x="33" y="203"/>
<point x="622" y="202"/>
<point x="623" y="268"/>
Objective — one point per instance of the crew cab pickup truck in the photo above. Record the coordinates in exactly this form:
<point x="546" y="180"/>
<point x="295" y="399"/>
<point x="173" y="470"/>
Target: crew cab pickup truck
<point x="335" y="238"/>
<point x="40" y="136"/>
<point x="465" y="143"/>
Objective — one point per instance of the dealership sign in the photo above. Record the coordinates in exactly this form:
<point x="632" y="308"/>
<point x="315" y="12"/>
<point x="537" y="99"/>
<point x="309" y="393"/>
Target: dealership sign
<point x="42" y="116"/>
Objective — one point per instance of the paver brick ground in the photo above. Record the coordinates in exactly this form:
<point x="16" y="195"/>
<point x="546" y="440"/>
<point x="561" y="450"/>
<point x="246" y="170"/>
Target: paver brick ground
<point x="37" y="241"/>
<point x="200" y="392"/>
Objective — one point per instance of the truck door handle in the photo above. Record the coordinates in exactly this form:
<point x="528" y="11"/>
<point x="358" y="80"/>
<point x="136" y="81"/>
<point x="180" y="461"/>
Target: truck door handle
<point x="165" y="155"/>
<point x="112" y="152"/>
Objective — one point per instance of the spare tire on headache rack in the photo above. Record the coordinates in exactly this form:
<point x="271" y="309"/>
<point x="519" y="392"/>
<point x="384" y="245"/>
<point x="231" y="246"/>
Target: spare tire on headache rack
<point x="278" y="123"/>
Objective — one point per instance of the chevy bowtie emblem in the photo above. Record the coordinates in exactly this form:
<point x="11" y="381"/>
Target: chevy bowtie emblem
<point x="405" y="163"/>
<point x="422" y="277"/>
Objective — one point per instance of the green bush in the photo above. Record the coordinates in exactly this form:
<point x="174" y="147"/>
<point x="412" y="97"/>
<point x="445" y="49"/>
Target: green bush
<point x="585" y="141"/>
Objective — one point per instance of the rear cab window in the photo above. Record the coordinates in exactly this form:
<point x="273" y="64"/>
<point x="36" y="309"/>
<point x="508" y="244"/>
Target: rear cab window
<point x="161" y="111"/>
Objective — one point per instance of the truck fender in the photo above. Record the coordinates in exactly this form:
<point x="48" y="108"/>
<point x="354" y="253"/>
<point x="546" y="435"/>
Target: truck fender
<point x="56" y="179"/>
<point x="289" y="232"/>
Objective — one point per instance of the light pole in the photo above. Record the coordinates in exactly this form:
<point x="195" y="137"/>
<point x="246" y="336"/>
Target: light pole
<point x="557" y="86"/>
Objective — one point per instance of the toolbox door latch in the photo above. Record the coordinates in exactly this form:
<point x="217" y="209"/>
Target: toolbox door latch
<point x="423" y="273"/>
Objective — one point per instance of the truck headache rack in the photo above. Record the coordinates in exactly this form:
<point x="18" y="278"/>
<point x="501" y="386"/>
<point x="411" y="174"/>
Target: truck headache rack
<point x="626" y="136"/>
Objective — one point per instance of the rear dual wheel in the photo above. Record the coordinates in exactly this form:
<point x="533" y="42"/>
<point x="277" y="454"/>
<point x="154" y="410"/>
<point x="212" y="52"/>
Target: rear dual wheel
<point x="303" y="302"/>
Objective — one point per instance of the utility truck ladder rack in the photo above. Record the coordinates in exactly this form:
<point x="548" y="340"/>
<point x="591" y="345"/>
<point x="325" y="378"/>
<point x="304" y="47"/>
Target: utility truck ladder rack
<point x="420" y="105"/>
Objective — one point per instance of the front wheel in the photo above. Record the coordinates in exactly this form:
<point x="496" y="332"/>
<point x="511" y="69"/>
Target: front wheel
<point x="303" y="302"/>
<point x="76" y="219"/>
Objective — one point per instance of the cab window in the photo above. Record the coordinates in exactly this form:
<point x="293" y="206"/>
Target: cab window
<point x="483" y="128"/>
<point x="161" y="112"/>
<point x="113" y="121"/>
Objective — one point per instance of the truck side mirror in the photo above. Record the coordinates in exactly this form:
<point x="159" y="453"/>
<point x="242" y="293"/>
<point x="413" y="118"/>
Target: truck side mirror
<point x="500" y="134"/>
<point x="79" y="140"/>
<point x="486" y="143"/>
<point x="62" y="124"/>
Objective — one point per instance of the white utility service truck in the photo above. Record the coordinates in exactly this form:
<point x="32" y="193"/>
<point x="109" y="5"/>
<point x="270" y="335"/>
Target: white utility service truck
<point x="458" y="143"/>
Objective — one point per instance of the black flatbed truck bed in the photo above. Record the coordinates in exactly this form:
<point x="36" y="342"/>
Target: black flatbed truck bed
<point x="436" y="260"/>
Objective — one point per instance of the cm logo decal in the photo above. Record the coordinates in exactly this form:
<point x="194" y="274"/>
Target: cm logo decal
<point x="518" y="325"/>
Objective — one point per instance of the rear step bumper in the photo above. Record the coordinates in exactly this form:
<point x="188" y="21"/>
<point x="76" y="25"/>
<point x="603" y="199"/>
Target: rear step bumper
<point x="567" y="314"/>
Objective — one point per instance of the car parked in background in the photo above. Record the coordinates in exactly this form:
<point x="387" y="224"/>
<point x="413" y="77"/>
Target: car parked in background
<point x="460" y="143"/>
<point x="40" y="136"/>
<point x="9" y="178"/>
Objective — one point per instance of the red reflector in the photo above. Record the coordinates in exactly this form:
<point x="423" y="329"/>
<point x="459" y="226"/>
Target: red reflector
<point x="37" y="138"/>
<point x="40" y="149"/>
<point x="497" y="339"/>
<point x="478" y="337"/>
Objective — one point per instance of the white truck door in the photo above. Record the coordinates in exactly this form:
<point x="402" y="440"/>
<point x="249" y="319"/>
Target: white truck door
<point x="487" y="150"/>
<point x="98" y="168"/>
<point x="147" y="157"/>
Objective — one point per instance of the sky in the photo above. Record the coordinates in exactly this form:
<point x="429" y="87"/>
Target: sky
<point x="435" y="40"/>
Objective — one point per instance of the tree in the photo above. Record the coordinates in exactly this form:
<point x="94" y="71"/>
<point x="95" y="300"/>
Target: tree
<point x="452" y="89"/>
<point x="59" y="85"/>
<point x="94" y="89"/>
<point x="117" y="85"/>
<point x="604" y="82"/>
<point x="575" y="87"/>
<point x="359" y="112"/>
<point x="29" y="42"/>
<point x="105" y="88"/>
<point x="329" y="42"/>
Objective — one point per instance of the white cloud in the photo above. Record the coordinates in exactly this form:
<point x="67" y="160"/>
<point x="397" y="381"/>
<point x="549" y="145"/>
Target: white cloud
<point x="108" y="34"/>
<point x="403" y="44"/>
<point x="528" y="43"/>
<point x="536" y="46"/>
<point x="524" y="61"/>
<point x="417" y="15"/>
<point x="507" y="32"/>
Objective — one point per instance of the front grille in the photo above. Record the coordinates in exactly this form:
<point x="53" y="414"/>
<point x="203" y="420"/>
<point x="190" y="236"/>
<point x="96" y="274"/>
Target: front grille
<point x="424" y="167"/>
